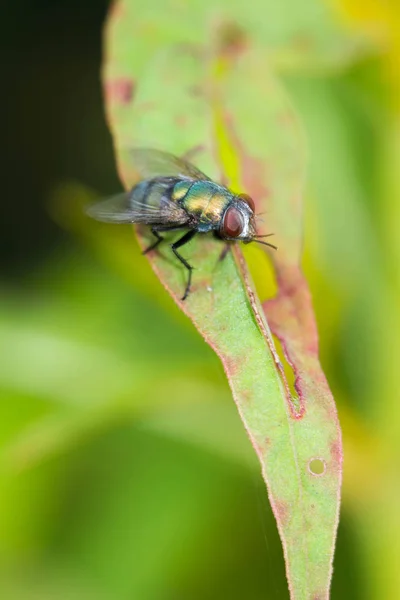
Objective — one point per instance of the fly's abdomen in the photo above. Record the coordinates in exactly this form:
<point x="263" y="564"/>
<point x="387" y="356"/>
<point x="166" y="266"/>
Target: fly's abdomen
<point x="151" y="202"/>
<point x="147" y="194"/>
<point x="204" y="200"/>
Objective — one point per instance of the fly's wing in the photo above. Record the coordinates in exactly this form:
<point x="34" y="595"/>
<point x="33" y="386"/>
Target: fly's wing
<point x="150" y="163"/>
<point x="147" y="203"/>
<point x="115" y="209"/>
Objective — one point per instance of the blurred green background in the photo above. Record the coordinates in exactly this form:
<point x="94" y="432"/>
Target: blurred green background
<point x="125" y="472"/>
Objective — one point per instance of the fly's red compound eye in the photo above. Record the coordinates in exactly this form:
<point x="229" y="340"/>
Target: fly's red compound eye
<point x="233" y="223"/>
<point x="249" y="200"/>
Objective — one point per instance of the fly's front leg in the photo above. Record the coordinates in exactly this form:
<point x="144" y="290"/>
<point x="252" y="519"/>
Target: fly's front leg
<point x="225" y="249"/>
<point x="155" y="244"/>
<point x="174" y="247"/>
<point x="224" y="252"/>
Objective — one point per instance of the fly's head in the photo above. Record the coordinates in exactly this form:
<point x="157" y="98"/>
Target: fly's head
<point x="238" y="222"/>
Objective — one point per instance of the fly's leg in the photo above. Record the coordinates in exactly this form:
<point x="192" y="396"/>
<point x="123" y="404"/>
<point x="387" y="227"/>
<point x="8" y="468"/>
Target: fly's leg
<point x="155" y="230"/>
<point x="174" y="247"/>
<point x="225" y="249"/>
<point x="155" y="244"/>
<point x="224" y="252"/>
<point x="181" y="242"/>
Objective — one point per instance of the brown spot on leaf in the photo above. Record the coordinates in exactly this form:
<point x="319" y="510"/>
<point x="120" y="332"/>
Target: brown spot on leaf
<point x="336" y="454"/>
<point x="247" y="395"/>
<point x="120" y="90"/>
<point x="264" y="446"/>
<point x="231" y="365"/>
<point x="281" y="511"/>
<point x="232" y="40"/>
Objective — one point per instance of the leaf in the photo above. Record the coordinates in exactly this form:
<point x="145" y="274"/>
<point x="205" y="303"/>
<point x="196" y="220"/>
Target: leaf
<point x="299" y="35"/>
<point x="167" y="88"/>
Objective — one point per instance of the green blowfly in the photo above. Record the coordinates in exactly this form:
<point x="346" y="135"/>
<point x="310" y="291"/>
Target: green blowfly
<point x="173" y="194"/>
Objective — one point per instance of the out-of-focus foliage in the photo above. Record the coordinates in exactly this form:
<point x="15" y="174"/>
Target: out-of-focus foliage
<point x="115" y="483"/>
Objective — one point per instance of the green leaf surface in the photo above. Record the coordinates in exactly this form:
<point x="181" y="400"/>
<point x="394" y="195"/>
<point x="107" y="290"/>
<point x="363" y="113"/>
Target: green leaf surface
<point x="291" y="34"/>
<point x="208" y="87"/>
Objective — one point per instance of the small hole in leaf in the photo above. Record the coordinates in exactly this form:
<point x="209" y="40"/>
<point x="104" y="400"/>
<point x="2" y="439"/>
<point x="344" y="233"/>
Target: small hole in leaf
<point x="317" y="466"/>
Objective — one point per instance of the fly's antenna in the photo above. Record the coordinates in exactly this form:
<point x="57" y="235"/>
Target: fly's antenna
<point x="256" y="239"/>
<point x="266" y="244"/>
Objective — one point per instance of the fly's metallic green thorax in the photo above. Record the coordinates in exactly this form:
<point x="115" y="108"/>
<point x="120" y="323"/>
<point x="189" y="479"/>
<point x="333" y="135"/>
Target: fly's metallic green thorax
<point x="204" y="200"/>
<point x="173" y="194"/>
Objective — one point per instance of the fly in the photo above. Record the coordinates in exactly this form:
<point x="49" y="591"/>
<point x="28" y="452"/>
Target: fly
<point x="173" y="194"/>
